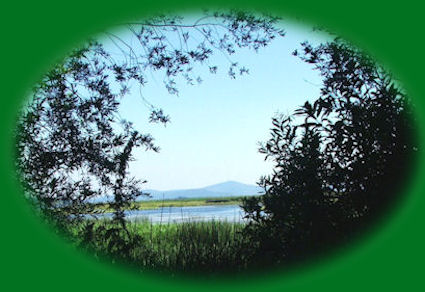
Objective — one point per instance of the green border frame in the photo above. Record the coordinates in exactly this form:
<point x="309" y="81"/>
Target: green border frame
<point x="33" y="258"/>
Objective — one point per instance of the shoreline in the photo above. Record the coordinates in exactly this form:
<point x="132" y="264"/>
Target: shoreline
<point x="156" y="204"/>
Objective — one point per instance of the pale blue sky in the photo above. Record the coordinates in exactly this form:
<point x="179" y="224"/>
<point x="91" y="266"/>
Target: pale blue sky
<point x="216" y="126"/>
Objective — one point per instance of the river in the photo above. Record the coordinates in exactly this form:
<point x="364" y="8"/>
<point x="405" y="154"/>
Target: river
<point x="229" y="213"/>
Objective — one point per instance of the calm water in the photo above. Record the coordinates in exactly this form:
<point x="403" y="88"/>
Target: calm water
<point x="230" y="213"/>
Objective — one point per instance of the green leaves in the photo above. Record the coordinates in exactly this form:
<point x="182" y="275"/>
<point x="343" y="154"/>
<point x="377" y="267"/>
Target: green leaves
<point x="72" y="146"/>
<point x="342" y="166"/>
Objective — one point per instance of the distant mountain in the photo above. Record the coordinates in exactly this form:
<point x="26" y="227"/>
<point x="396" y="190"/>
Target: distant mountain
<point x="225" y="189"/>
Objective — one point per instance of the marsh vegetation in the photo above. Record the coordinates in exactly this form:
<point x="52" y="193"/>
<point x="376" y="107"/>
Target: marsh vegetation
<point x="339" y="161"/>
<point x="211" y="247"/>
<point x="156" y="204"/>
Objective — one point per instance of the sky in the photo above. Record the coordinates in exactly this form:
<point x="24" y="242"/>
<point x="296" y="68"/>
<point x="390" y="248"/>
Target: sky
<point x="216" y="126"/>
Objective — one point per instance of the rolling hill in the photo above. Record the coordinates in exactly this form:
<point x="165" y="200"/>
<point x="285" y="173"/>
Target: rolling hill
<point x="225" y="189"/>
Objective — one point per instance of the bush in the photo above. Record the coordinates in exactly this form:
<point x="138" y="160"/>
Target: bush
<point x="340" y="167"/>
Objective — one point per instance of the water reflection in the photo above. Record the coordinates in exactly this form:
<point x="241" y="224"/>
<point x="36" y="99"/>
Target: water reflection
<point x="229" y="213"/>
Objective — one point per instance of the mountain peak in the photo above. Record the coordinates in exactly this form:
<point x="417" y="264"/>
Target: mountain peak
<point x="233" y="187"/>
<point x="225" y="189"/>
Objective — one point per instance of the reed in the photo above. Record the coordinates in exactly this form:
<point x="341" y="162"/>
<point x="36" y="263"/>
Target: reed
<point x="196" y="247"/>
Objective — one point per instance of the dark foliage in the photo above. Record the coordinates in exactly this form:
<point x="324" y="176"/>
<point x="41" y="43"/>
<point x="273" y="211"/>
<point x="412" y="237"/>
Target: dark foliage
<point x="200" y="248"/>
<point x="72" y="145"/>
<point x="340" y="166"/>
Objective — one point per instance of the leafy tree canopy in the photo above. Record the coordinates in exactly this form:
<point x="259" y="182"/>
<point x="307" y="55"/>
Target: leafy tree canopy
<point x="339" y="161"/>
<point x="73" y="146"/>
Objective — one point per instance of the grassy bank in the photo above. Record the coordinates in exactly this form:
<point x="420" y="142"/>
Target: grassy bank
<point x="205" y="248"/>
<point x="155" y="204"/>
<point x="196" y="247"/>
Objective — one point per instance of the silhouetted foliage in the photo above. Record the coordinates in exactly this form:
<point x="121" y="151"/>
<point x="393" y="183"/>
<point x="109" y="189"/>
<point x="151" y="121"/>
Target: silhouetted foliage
<point x="339" y="161"/>
<point x="340" y="165"/>
<point x="72" y="145"/>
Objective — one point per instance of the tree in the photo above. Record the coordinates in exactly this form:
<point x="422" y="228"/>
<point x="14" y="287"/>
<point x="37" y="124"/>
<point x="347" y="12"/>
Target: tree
<point x="293" y="212"/>
<point x="73" y="146"/>
<point x="370" y="126"/>
<point x="342" y="166"/>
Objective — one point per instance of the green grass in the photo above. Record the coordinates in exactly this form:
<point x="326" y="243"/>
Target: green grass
<point x="205" y="248"/>
<point x="197" y="247"/>
<point x="156" y="204"/>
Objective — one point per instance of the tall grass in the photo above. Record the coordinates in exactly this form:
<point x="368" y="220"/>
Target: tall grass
<point x="156" y="204"/>
<point x="196" y="247"/>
